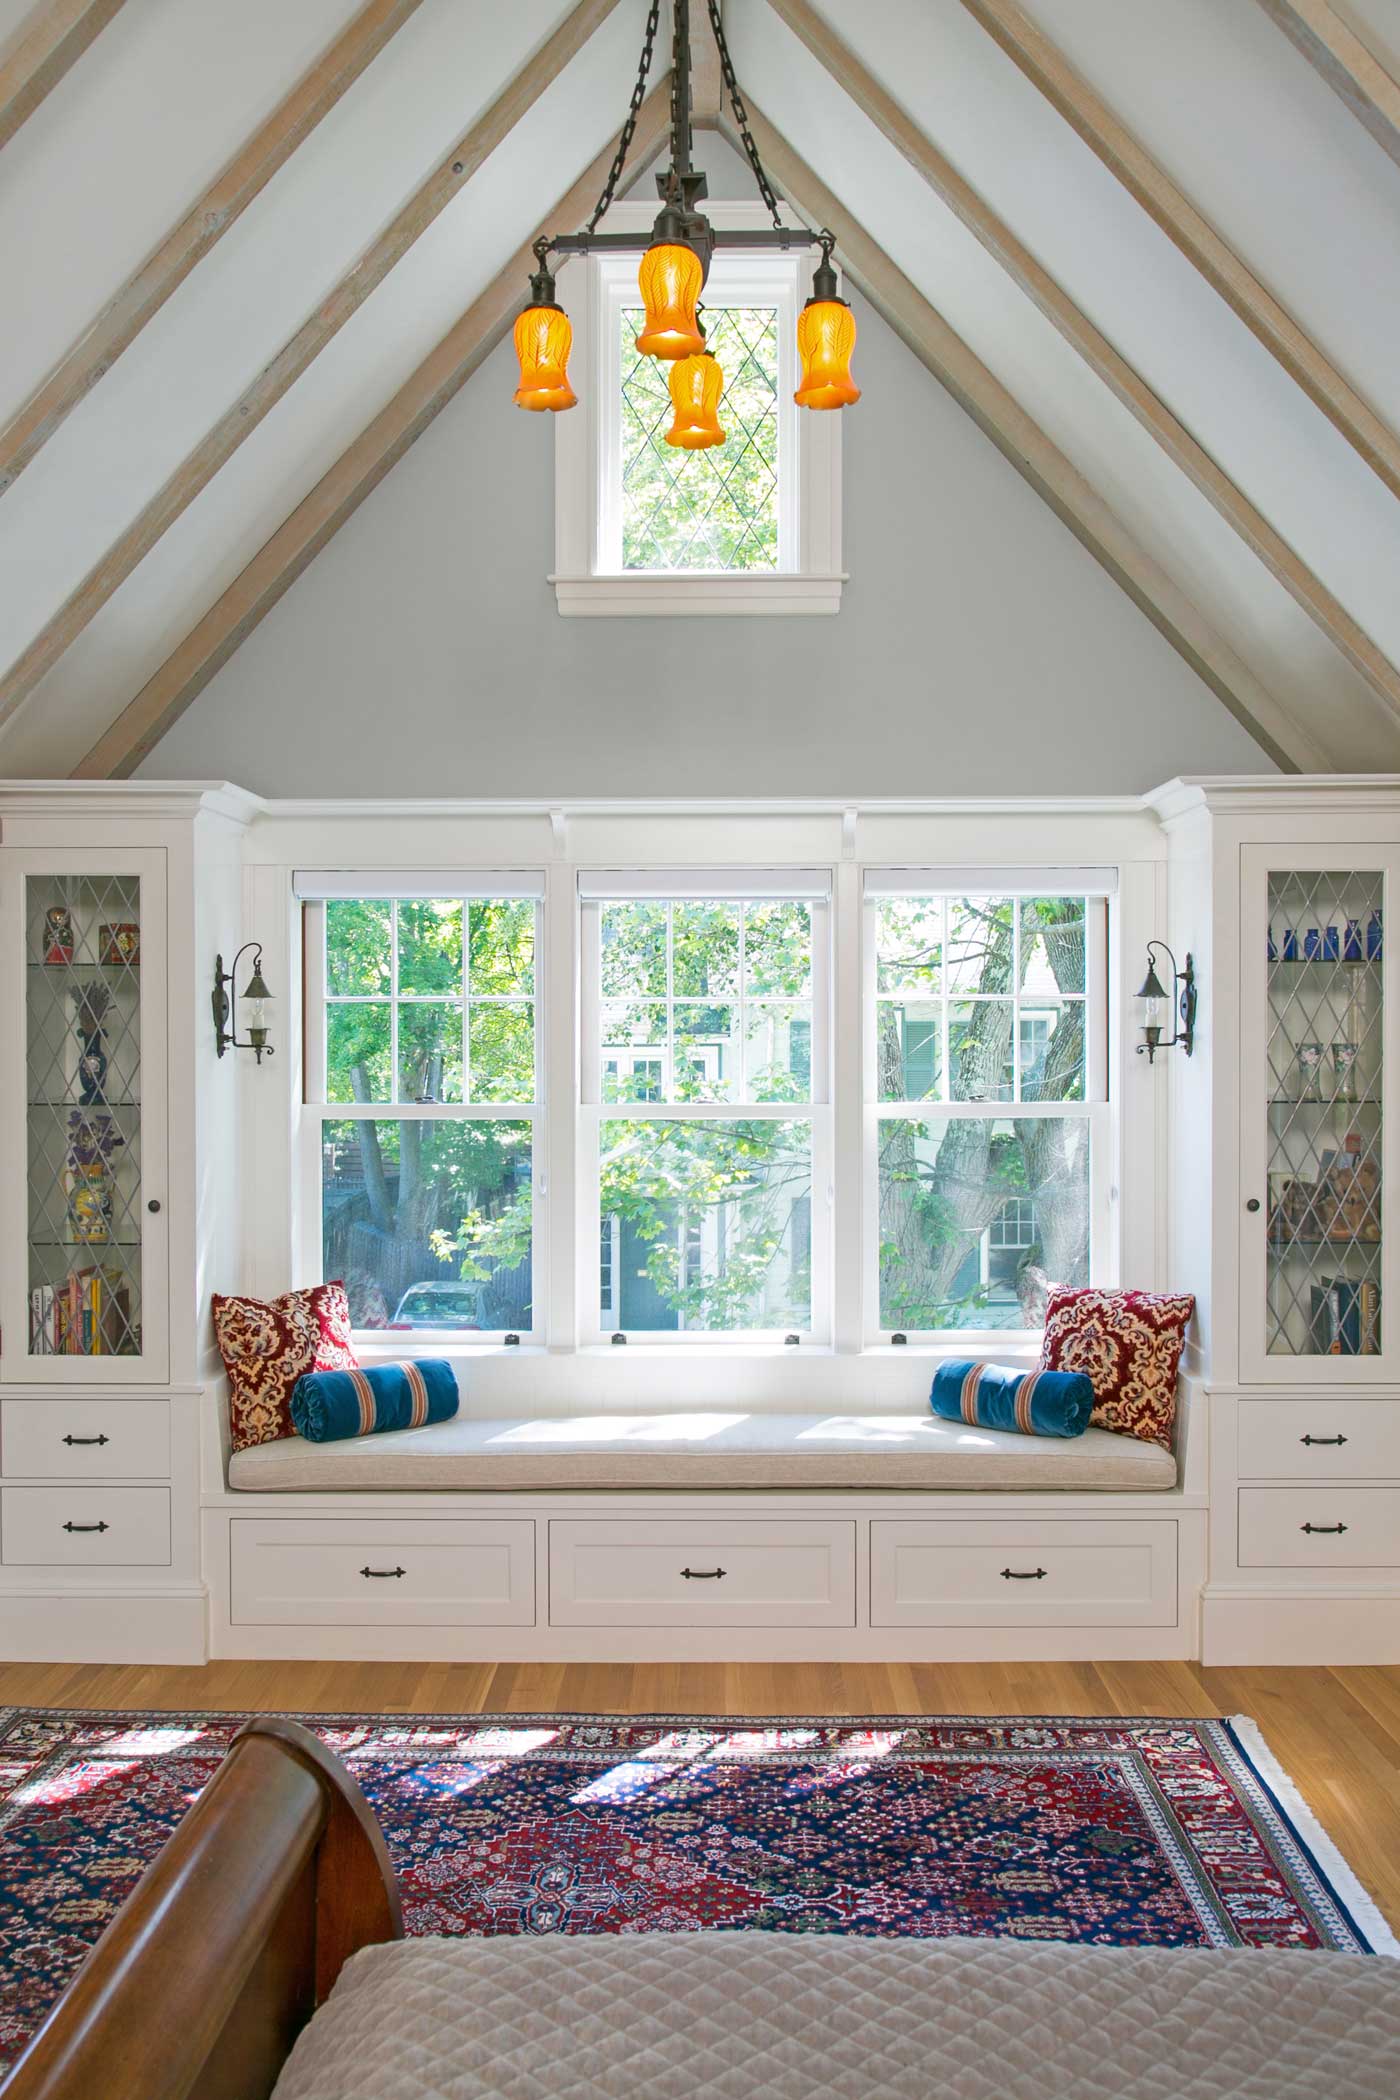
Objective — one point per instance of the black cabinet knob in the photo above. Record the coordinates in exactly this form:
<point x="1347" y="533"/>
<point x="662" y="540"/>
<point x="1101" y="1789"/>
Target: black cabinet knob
<point x="1253" y="1203"/>
<point x="154" y="1205"/>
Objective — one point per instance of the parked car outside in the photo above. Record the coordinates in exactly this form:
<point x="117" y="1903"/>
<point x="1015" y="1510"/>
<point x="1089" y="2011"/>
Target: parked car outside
<point x="456" y="1305"/>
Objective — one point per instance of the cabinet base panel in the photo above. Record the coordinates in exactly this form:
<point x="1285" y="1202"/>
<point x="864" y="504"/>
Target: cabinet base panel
<point x="1270" y="1627"/>
<point x="90" y="1626"/>
<point x="668" y="1644"/>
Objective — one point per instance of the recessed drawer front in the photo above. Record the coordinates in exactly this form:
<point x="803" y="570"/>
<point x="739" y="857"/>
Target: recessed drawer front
<point x="85" y="1527"/>
<point x="988" y="1572"/>
<point x="701" y="1572"/>
<point x="1319" y="1439"/>
<point x="85" y="1439"/>
<point x="1320" y="1527"/>
<point x="313" y="1571"/>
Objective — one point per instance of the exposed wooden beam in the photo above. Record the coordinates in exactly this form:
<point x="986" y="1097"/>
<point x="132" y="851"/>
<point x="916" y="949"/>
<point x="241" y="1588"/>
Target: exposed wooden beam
<point x="54" y="38"/>
<point x="200" y="466"/>
<point x="1349" y="68"/>
<point x="1054" y="478"/>
<point x="340" y="491"/>
<point x="205" y="223"/>
<point x="1044" y="64"/>
<point x="1098" y="352"/>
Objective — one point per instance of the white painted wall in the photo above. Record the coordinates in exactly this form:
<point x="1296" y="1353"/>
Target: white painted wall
<point x="978" y="649"/>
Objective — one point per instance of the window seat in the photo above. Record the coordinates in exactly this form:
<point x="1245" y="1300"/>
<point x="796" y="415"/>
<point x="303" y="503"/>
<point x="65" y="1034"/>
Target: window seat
<point x="711" y="1450"/>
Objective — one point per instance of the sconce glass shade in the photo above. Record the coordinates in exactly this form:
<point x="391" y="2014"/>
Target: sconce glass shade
<point x="543" y="339"/>
<point x="826" y="336"/>
<point x="670" y="281"/>
<point x="696" y="384"/>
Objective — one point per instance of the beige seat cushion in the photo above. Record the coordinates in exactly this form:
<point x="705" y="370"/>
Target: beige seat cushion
<point x="709" y="1450"/>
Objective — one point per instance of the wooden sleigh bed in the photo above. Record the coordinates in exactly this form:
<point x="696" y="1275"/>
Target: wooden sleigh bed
<point x="205" y="1984"/>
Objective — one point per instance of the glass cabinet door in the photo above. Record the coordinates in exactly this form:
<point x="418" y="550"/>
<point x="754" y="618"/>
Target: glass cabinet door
<point x="93" y="1305"/>
<point x="1315" y="1127"/>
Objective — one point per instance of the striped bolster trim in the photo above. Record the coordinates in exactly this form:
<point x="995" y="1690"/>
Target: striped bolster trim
<point x="1023" y="1402"/>
<point x="364" y="1393"/>
<point x="418" y="1396"/>
<point x="969" y="1393"/>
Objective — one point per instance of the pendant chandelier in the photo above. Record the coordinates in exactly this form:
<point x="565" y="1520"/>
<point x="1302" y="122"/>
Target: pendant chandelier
<point x="674" y="266"/>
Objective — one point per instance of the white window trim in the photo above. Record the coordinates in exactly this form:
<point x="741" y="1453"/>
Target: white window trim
<point x="594" y="1112"/>
<point x="587" y="578"/>
<point x="1098" y="1109"/>
<point x="315" y="1111"/>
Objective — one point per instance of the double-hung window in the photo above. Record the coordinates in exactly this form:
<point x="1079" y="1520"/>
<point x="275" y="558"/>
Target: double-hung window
<point x="705" y="1125"/>
<point x="988" y="1142"/>
<point x="422" y="1128"/>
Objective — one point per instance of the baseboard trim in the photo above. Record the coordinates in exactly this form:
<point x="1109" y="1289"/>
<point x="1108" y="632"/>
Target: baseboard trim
<point x="1275" y="1628"/>
<point x="87" y="1626"/>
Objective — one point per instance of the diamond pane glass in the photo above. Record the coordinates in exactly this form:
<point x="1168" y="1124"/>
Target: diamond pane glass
<point x="83" y="1053"/>
<point x="1324" y="1138"/>
<point x="716" y="509"/>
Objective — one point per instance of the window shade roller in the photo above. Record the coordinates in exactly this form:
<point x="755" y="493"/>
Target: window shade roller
<point x="992" y="882"/>
<point x="321" y="886"/>
<point x="626" y="885"/>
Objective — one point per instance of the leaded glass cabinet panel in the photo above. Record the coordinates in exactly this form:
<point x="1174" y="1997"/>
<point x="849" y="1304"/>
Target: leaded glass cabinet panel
<point x="1316" y="1141"/>
<point x="85" y="1295"/>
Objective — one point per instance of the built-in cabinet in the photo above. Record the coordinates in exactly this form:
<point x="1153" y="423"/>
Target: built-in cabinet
<point x="1285" y="1141"/>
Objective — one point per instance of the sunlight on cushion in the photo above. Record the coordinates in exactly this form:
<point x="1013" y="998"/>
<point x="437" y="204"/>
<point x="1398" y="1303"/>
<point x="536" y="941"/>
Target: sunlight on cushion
<point x="618" y="1429"/>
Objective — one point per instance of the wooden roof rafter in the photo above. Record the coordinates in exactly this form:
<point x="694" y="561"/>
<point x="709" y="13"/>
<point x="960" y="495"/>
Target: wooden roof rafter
<point x="1124" y="381"/>
<point x="1349" y="67"/>
<point x="51" y="41"/>
<point x="359" y="470"/>
<point x="449" y="174"/>
<point x="1085" y="111"/>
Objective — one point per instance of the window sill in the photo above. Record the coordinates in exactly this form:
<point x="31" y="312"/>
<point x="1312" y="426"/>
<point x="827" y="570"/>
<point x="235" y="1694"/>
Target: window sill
<point x="611" y="597"/>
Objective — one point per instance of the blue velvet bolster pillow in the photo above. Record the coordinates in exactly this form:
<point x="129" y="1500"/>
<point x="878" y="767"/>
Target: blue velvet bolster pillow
<point x="1035" y="1403"/>
<point x="329" y="1405"/>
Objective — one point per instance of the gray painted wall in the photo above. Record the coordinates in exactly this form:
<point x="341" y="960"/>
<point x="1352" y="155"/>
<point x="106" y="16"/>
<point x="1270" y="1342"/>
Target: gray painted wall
<point x="979" y="649"/>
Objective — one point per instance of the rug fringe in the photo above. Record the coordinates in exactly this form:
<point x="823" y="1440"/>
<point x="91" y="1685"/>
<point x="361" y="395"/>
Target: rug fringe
<point x="1331" y="1862"/>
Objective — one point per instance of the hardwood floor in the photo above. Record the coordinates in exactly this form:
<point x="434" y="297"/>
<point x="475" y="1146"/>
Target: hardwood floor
<point x="1336" y="1732"/>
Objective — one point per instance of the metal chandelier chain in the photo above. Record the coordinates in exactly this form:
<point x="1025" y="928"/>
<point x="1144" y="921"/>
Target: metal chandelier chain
<point x="629" y="127"/>
<point x="741" y="115"/>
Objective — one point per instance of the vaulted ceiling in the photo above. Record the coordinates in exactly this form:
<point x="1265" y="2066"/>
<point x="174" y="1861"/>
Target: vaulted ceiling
<point x="251" y="251"/>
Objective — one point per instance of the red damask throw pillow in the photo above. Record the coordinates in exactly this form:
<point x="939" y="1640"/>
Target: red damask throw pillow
<point x="267" y="1344"/>
<point x="1128" y="1344"/>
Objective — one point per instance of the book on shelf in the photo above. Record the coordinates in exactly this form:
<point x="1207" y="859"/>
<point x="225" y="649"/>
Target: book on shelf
<point x="1345" y="1317"/>
<point x="89" y="1314"/>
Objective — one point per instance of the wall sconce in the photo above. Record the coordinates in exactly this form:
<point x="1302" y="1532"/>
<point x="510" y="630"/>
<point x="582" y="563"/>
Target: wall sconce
<point x="256" y="996"/>
<point x="1152" y="1003"/>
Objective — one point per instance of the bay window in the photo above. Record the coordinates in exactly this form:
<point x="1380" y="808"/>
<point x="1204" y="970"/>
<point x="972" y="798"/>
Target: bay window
<point x="988" y="1135"/>
<point x="422" y="1123"/>
<point x="705" y="1124"/>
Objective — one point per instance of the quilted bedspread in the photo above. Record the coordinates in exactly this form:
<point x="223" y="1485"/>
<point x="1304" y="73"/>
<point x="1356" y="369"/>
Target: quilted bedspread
<point x="732" y="2016"/>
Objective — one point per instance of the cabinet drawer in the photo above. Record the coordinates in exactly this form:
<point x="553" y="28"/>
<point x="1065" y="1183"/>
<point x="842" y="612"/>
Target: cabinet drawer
<point x="314" y="1571"/>
<point x="1319" y="1439"/>
<point x="989" y="1572"/>
<point x="1351" y="1527"/>
<point x="85" y="1527"/>
<point x="704" y="1572"/>
<point x="85" y="1439"/>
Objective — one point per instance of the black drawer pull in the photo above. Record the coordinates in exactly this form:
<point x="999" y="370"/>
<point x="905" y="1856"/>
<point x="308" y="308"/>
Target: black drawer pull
<point x="383" y="1574"/>
<point x="85" y="1440"/>
<point x="1324" y="1529"/>
<point x="1322" y="1440"/>
<point x="85" y="1527"/>
<point x="702" y="1574"/>
<point x="1023" y="1574"/>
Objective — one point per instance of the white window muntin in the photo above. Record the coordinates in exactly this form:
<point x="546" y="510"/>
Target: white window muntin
<point x="1096" y="886"/>
<point x="315" y="891"/>
<point x="806" y="886"/>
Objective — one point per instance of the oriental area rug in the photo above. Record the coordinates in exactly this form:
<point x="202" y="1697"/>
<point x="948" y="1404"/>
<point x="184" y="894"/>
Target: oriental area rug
<point x="1173" y="1833"/>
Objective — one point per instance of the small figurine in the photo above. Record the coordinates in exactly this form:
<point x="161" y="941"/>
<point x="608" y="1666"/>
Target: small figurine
<point x="58" y="935"/>
<point x="120" y="943"/>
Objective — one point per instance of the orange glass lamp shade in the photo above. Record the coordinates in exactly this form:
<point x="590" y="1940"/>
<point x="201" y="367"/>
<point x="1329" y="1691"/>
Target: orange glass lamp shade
<point x="696" y="384"/>
<point x="670" y="281"/>
<point x="826" y="336"/>
<point x="543" y="339"/>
